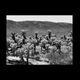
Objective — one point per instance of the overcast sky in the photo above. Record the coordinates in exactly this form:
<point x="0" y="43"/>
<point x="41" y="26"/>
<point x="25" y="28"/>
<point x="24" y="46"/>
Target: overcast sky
<point x="52" y="18"/>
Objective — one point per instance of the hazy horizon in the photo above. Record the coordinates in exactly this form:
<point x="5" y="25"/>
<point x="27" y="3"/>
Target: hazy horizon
<point x="50" y="18"/>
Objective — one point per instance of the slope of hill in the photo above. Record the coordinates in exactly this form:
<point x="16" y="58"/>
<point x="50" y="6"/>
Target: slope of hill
<point x="40" y="26"/>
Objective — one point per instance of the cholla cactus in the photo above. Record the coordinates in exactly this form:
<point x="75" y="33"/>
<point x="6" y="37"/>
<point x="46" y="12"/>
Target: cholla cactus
<point x="47" y="45"/>
<point x="44" y="41"/>
<point x="65" y="49"/>
<point x="20" y="51"/>
<point x="53" y="38"/>
<point x="50" y="44"/>
<point x="13" y="45"/>
<point x="13" y="36"/>
<point x="9" y="39"/>
<point x="70" y="34"/>
<point x="36" y="35"/>
<point x="70" y="44"/>
<point x="38" y="49"/>
<point x="63" y="43"/>
<point x="34" y="41"/>
<point x="53" y="35"/>
<point x="24" y="35"/>
<point x="49" y="33"/>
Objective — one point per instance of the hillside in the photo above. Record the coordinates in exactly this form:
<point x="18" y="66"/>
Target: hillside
<point x="40" y="26"/>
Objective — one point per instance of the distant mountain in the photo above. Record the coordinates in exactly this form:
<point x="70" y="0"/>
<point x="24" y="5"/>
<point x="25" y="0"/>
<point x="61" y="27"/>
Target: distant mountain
<point x="41" y="26"/>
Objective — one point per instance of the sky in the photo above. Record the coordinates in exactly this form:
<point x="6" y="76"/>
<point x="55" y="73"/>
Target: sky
<point x="52" y="18"/>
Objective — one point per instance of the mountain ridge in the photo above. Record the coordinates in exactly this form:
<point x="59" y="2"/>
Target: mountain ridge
<point x="41" y="26"/>
<point x="61" y="24"/>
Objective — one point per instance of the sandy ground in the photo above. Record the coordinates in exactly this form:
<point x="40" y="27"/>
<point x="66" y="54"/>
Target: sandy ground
<point x="35" y="62"/>
<point x="32" y="61"/>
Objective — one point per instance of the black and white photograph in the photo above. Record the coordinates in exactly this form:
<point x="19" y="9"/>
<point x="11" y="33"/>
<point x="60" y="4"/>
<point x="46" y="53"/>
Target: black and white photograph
<point x="39" y="39"/>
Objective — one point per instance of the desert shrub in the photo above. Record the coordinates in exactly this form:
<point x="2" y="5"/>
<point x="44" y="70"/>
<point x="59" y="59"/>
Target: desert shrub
<point x="53" y="57"/>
